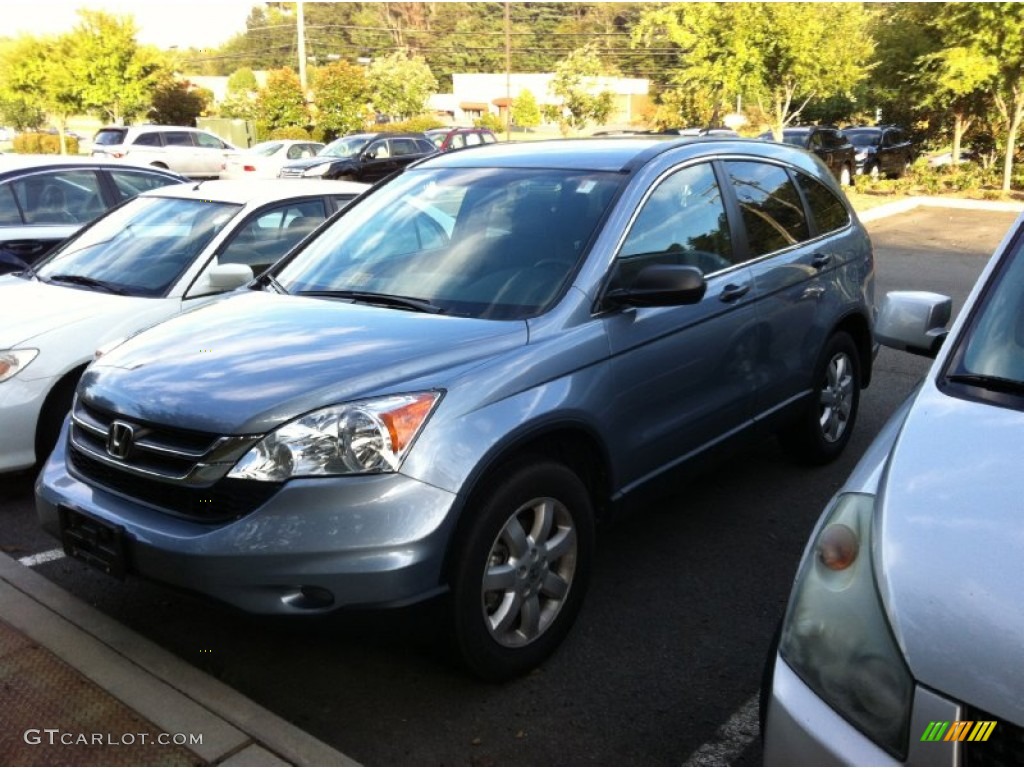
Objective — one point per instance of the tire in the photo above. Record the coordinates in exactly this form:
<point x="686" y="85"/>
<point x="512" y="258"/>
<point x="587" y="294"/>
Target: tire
<point x="822" y="431"/>
<point x="51" y="417"/>
<point x="521" y="569"/>
<point x="845" y="177"/>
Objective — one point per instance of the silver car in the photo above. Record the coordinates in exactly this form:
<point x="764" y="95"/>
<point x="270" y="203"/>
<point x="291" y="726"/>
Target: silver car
<point x="445" y="388"/>
<point x="902" y="643"/>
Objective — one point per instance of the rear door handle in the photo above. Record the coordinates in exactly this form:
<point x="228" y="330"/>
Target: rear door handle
<point x="732" y="291"/>
<point x="820" y="260"/>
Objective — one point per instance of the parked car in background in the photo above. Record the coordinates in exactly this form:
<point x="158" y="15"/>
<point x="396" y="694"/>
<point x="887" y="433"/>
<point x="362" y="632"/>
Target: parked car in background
<point x="44" y="199"/>
<point x="882" y="149"/>
<point x="367" y="157"/>
<point x="449" y="384"/>
<point x="901" y="642"/>
<point x="828" y="143"/>
<point x="164" y="252"/>
<point x="700" y="132"/>
<point x="265" y="160"/>
<point x="189" y="151"/>
<point x="447" y="139"/>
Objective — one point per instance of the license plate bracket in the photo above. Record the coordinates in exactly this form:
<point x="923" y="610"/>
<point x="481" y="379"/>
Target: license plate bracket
<point x="93" y="541"/>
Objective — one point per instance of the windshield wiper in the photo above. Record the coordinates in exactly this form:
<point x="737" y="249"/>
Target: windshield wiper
<point x="384" y="299"/>
<point x="995" y="383"/>
<point x="88" y="282"/>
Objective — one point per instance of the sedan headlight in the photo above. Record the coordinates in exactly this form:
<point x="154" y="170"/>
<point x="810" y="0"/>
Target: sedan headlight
<point x="317" y="170"/>
<point x="13" y="361"/>
<point x="836" y="636"/>
<point x="365" y="437"/>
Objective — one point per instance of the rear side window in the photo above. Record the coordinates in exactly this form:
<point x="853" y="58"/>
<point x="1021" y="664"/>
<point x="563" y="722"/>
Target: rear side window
<point x="148" y="140"/>
<point x="8" y="208"/>
<point x="828" y="211"/>
<point x="109" y="136"/>
<point x="131" y="183"/>
<point x="489" y="138"/>
<point x="403" y="147"/>
<point x="178" y="139"/>
<point x="64" y="197"/>
<point x="207" y="141"/>
<point x="772" y="212"/>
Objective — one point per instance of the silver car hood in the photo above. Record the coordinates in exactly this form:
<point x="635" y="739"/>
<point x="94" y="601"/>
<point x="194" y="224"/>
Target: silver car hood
<point x="950" y="549"/>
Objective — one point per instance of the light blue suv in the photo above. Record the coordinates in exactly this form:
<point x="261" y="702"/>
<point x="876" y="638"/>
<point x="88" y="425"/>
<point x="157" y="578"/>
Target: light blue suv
<point x="448" y="385"/>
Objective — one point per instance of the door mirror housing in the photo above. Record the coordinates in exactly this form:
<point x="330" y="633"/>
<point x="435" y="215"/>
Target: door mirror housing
<point x="660" y="285"/>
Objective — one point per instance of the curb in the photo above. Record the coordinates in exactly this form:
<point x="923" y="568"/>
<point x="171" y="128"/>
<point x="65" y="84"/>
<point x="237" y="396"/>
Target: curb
<point x="153" y="682"/>
<point x="910" y="203"/>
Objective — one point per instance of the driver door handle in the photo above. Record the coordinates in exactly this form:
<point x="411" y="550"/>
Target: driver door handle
<point x="820" y="260"/>
<point x="733" y="291"/>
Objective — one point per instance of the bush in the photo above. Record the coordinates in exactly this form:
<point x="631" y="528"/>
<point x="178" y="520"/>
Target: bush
<point x="412" y="125"/>
<point x="290" y="132"/>
<point x="491" y="122"/>
<point x="43" y="144"/>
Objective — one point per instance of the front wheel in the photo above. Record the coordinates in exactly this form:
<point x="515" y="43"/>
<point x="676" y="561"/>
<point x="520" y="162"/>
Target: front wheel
<point x="521" y="569"/>
<point x="822" y="431"/>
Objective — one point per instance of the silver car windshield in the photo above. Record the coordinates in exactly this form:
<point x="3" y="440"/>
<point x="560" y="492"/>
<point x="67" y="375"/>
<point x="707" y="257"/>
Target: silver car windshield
<point x="138" y="249"/>
<point x="992" y="350"/>
<point x="476" y="242"/>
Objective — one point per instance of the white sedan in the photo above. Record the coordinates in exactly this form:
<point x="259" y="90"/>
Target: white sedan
<point x="164" y="252"/>
<point x="264" y="161"/>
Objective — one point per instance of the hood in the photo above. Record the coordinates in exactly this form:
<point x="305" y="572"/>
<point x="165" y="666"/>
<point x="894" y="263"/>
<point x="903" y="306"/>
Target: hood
<point x="30" y="308"/>
<point x="252" y="361"/>
<point x="950" y="545"/>
<point x="310" y="162"/>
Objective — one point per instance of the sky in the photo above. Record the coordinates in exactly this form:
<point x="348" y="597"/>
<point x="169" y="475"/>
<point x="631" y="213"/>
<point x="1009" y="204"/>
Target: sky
<point x="163" y="23"/>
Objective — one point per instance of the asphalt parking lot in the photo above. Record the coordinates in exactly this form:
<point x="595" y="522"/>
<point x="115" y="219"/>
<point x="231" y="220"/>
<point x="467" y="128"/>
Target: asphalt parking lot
<point x="664" y="664"/>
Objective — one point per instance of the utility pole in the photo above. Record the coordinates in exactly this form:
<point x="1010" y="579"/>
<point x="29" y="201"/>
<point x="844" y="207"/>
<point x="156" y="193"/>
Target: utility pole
<point x="300" y="20"/>
<point x="508" y="74"/>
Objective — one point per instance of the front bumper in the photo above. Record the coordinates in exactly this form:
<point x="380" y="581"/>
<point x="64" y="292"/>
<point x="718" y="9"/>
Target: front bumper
<point x="314" y="546"/>
<point x="801" y="729"/>
<point x="21" y="401"/>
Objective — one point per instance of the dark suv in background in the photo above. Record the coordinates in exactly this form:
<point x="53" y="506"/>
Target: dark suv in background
<point x="366" y="157"/>
<point x="881" y="149"/>
<point x="828" y="143"/>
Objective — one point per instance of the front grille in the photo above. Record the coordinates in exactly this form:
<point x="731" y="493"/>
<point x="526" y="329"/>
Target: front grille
<point x="1004" y="747"/>
<point x="177" y="471"/>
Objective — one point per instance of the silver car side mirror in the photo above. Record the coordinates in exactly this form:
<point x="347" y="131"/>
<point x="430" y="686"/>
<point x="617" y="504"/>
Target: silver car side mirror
<point x="914" y="321"/>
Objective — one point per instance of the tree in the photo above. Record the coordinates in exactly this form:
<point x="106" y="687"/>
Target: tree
<point x="116" y="75"/>
<point x="281" y="104"/>
<point x="400" y="84"/>
<point x="525" y="112"/>
<point x="574" y="83"/>
<point x="994" y="30"/>
<point x="242" y="92"/>
<point x="780" y="55"/>
<point x="341" y="99"/>
<point x="179" y="102"/>
<point x="955" y="80"/>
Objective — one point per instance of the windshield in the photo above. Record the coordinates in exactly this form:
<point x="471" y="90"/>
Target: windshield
<point x="266" y="149"/>
<point x="140" y="248"/>
<point x="477" y="242"/>
<point x="347" y="147"/>
<point x="993" y="345"/>
<point x="862" y="139"/>
<point x="110" y="136"/>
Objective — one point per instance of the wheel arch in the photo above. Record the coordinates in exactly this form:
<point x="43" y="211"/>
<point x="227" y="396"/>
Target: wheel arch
<point x="857" y="327"/>
<point x="57" y="392"/>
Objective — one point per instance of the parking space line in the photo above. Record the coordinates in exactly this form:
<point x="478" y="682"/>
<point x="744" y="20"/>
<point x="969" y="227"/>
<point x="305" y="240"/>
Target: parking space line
<point x="732" y="737"/>
<point x="42" y="557"/>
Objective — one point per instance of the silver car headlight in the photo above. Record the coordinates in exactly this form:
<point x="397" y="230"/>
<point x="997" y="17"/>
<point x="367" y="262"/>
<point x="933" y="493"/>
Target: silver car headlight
<point x="14" y="361"/>
<point x="836" y="636"/>
<point x="364" y="437"/>
<point x="317" y="170"/>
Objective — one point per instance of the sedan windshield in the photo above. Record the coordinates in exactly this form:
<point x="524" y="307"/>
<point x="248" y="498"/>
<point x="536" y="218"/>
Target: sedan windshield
<point x="348" y="147"/>
<point x="489" y="243"/>
<point x="140" y="248"/>
<point x="991" y="354"/>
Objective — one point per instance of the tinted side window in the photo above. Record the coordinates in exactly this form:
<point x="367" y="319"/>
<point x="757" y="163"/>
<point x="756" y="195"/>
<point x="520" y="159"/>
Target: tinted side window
<point x="682" y="222"/>
<point x="147" y="140"/>
<point x="130" y="183"/>
<point x="828" y="211"/>
<point x="65" y="197"/>
<point x="8" y="208"/>
<point x="401" y="147"/>
<point x="178" y="139"/>
<point x="208" y="142"/>
<point x="772" y="212"/>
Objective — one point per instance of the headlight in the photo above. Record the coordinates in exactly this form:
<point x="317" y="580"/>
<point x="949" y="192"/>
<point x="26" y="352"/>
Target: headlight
<point x="366" y="437"/>
<point x="861" y="155"/>
<point x="836" y="636"/>
<point x="12" y="361"/>
<point x="317" y="170"/>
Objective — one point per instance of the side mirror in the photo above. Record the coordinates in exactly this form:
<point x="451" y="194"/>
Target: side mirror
<point x="226" y="277"/>
<point x="914" y="321"/>
<point x="660" y="285"/>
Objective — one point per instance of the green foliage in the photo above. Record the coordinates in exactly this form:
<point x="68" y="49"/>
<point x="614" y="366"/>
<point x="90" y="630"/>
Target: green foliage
<point x="574" y="82"/>
<point x="341" y="99"/>
<point x="179" y="102"/>
<point x="290" y="132"/>
<point x="43" y="144"/>
<point x="281" y="103"/>
<point x="400" y="84"/>
<point x="525" y="112"/>
<point x="21" y="115"/>
<point x="416" y="124"/>
<point x="242" y="82"/>
<point x="491" y="122"/>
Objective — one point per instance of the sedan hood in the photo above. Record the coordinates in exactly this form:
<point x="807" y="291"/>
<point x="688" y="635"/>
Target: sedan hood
<point x="309" y="162"/>
<point x="253" y="361"/>
<point x="950" y="547"/>
<point x="29" y="308"/>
